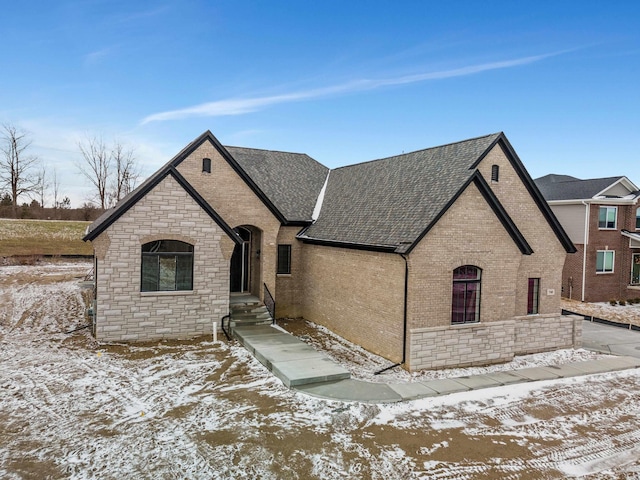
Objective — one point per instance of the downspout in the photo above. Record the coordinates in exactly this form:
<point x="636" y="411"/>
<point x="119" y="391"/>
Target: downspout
<point x="584" y="248"/>
<point x="404" y="320"/>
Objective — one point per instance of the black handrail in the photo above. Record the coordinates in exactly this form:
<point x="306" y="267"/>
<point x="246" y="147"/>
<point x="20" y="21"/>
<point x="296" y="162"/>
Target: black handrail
<point x="270" y="303"/>
<point x="227" y="334"/>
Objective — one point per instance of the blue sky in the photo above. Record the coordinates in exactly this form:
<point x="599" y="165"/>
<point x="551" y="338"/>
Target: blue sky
<point x="343" y="81"/>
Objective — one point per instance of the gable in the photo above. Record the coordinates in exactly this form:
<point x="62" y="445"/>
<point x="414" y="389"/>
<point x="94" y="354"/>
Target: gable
<point x="522" y="201"/>
<point x="225" y="189"/>
<point x="112" y="215"/>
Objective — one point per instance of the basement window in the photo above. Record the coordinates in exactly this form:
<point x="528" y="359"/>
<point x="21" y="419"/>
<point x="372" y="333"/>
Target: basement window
<point x="167" y="265"/>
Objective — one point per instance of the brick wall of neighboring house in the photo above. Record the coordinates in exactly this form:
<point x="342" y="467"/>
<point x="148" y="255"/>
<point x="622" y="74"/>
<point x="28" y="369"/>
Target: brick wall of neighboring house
<point x="238" y="205"/>
<point x="289" y="301"/>
<point x="357" y="294"/>
<point x="572" y="274"/>
<point x="124" y="313"/>
<point x="602" y="287"/>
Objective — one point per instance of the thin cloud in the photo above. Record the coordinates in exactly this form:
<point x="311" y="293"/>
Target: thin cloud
<point x="97" y="55"/>
<point x="239" y="106"/>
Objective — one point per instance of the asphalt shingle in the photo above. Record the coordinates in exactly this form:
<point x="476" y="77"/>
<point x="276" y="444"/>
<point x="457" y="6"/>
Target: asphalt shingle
<point x="390" y="202"/>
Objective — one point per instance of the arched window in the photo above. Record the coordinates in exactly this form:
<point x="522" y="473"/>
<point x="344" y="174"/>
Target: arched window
<point x="167" y="265"/>
<point x="465" y="305"/>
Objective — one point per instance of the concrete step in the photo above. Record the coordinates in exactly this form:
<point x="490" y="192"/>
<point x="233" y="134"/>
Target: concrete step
<point x="291" y="360"/>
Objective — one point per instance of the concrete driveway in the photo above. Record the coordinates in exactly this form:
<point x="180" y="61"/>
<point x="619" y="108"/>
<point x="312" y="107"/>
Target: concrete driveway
<point x="609" y="339"/>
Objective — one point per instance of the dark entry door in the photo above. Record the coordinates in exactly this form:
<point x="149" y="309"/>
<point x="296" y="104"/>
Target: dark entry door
<point x="240" y="268"/>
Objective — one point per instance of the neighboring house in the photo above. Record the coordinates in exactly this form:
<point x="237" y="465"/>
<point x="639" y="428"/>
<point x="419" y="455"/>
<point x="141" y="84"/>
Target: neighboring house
<point x="602" y="214"/>
<point x="441" y="257"/>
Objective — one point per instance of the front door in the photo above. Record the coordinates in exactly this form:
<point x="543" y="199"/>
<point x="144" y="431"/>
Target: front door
<point x="239" y="281"/>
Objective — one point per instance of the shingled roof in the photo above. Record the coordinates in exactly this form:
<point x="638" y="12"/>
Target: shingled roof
<point x="565" y="187"/>
<point x="390" y="202"/>
<point x="292" y="181"/>
<point x="387" y="204"/>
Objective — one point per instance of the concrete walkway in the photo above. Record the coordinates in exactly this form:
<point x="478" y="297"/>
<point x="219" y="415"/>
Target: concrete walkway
<point x="303" y="368"/>
<point x="605" y="338"/>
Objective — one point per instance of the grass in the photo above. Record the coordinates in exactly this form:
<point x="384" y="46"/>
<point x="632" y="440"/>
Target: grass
<point x="43" y="237"/>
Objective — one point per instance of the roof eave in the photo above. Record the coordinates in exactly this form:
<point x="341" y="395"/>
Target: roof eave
<point x="343" y="244"/>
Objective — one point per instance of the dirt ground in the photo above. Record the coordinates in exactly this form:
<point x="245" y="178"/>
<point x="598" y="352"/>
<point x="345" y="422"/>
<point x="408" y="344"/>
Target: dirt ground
<point x="71" y="408"/>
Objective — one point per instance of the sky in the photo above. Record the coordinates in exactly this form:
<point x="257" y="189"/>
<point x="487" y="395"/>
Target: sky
<point x="343" y="81"/>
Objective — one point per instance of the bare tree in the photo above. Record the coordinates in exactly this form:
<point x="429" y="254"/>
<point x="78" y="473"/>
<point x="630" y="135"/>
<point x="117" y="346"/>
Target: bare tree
<point x="16" y="167"/>
<point x="112" y="171"/>
<point x="126" y="172"/>
<point x="55" y="187"/>
<point x="96" y="167"/>
<point x="42" y="185"/>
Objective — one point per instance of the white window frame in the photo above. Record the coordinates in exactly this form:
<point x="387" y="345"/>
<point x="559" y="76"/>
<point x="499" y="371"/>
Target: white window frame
<point x="615" y="222"/>
<point x="634" y="257"/>
<point x="613" y="262"/>
<point x="638" y="218"/>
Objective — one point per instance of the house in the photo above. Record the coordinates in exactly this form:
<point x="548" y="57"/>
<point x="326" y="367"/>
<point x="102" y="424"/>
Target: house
<point x="602" y="218"/>
<point x="441" y="257"/>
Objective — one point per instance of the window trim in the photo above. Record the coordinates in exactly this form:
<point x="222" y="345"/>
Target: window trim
<point x="635" y="258"/>
<point x="159" y="255"/>
<point x="478" y="292"/>
<point x="638" y="218"/>
<point x="615" y="221"/>
<point x="283" y="269"/>
<point x="613" y="262"/>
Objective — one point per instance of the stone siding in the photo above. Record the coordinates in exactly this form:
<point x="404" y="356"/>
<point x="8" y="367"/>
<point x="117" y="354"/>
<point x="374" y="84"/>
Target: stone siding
<point x="123" y="312"/>
<point x="477" y="344"/>
<point x="541" y="333"/>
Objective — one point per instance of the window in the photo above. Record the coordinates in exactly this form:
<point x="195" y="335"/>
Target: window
<point x="604" y="261"/>
<point x="495" y="173"/>
<point x="167" y="265"/>
<point x="638" y="218"/>
<point x="465" y="305"/>
<point x="206" y="165"/>
<point x="284" y="259"/>
<point x="607" y="217"/>
<point x="635" y="269"/>
<point x="533" y="296"/>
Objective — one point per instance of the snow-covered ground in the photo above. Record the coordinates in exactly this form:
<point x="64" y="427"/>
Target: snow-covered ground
<point x="70" y="408"/>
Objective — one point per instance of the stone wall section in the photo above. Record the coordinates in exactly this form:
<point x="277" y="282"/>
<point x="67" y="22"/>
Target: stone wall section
<point x="123" y="312"/>
<point x="542" y="333"/>
<point x="357" y="294"/>
<point x="479" y="344"/>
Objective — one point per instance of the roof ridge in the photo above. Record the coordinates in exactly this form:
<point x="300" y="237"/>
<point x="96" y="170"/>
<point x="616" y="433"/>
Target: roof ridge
<point x="267" y="150"/>
<point x="420" y="150"/>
